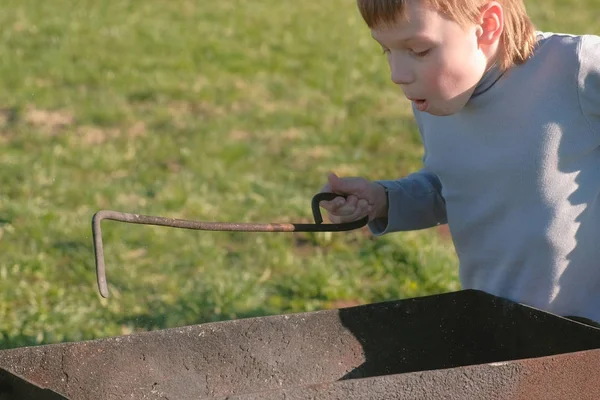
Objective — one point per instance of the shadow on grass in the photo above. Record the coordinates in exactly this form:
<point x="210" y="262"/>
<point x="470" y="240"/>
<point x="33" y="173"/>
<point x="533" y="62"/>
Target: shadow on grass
<point x="184" y="313"/>
<point x="71" y="246"/>
<point x="14" y="341"/>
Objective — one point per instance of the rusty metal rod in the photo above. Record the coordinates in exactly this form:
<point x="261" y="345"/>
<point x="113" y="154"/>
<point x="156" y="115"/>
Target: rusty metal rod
<point x="318" y="226"/>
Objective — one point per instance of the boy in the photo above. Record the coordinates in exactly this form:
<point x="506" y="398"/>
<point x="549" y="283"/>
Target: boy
<point x="510" y="123"/>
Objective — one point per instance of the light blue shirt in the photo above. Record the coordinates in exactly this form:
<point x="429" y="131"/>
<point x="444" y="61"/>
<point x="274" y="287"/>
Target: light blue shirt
<point x="516" y="175"/>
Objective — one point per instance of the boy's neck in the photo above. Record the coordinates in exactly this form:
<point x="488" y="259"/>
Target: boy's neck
<point x="489" y="78"/>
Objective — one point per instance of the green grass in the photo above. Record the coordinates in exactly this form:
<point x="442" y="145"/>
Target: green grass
<point x="218" y="111"/>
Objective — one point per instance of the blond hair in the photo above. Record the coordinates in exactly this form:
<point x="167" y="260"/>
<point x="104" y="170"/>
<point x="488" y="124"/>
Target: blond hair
<point x="518" y="35"/>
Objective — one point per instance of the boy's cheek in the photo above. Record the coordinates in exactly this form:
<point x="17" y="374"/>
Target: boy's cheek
<point x="431" y="80"/>
<point x="447" y="81"/>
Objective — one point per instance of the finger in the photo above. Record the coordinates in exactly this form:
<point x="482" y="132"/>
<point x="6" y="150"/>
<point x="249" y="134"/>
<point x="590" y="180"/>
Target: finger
<point x="326" y="188"/>
<point x="363" y="207"/>
<point x="333" y="205"/>
<point x="332" y="182"/>
<point x="352" y="200"/>
<point x="334" y="219"/>
<point x="345" y="186"/>
<point x="337" y="184"/>
<point x="327" y="204"/>
<point x="350" y="207"/>
<point x="360" y="211"/>
<point x="371" y="212"/>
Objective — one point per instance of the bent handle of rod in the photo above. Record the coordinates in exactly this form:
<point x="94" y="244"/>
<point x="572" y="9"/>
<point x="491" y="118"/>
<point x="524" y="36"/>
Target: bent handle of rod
<point x="327" y="196"/>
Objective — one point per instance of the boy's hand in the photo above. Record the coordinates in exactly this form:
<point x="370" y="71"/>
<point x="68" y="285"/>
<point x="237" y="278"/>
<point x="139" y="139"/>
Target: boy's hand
<point x="363" y="198"/>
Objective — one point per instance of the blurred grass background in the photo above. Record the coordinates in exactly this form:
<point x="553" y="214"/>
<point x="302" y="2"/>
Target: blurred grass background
<point x="228" y="111"/>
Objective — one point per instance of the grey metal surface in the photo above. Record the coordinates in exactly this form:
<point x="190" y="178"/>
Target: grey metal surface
<point x="286" y="351"/>
<point x="562" y="377"/>
<point x="195" y="362"/>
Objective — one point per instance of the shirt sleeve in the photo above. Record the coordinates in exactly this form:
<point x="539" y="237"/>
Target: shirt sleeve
<point x="415" y="202"/>
<point x="589" y="80"/>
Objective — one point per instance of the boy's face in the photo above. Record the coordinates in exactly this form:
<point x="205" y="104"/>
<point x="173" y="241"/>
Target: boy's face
<point x="436" y="61"/>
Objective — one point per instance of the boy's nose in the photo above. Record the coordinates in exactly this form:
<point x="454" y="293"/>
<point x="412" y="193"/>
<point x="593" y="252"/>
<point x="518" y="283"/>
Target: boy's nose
<point x="401" y="75"/>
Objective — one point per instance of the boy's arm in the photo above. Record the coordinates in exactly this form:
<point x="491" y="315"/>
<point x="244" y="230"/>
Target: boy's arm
<point x="415" y="202"/>
<point x="589" y="80"/>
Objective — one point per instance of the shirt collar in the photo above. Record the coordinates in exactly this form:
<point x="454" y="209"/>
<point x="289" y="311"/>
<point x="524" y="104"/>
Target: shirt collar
<point x="488" y="80"/>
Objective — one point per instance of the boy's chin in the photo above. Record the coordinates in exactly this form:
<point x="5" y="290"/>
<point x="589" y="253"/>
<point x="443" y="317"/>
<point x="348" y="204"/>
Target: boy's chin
<point x="447" y="108"/>
<point x="442" y="111"/>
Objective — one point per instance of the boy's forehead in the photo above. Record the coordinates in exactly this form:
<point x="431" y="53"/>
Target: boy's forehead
<point x="415" y="23"/>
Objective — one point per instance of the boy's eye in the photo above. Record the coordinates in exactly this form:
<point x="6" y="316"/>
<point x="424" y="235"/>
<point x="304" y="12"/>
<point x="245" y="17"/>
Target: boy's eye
<point x="420" y="53"/>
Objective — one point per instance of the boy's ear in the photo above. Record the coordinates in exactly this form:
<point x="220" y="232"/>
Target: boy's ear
<point x="491" y="23"/>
